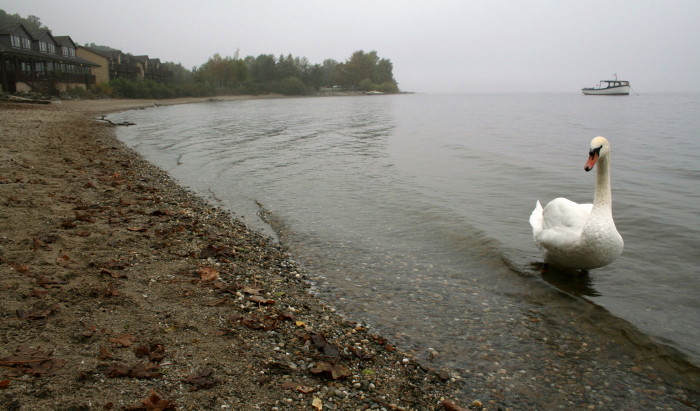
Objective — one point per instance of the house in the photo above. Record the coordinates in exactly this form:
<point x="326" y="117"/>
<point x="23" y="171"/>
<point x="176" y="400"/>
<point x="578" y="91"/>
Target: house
<point x="39" y="61"/>
<point x="115" y="64"/>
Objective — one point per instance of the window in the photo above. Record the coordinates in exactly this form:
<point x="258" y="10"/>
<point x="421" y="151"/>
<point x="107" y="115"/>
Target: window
<point x="68" y="51"/>
<point x="15" y="41"/>
<point x="47" y="47"/>
<point x="26" y="43"/>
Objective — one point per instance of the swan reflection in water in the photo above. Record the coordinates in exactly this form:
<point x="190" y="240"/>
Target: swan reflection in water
<point x="575" y="282"/>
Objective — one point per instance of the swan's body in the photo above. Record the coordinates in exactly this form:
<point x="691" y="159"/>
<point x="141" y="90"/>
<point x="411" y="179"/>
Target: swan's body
<point x="580" y="236"/>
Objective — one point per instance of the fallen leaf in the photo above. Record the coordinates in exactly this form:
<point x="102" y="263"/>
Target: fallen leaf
<point x="111" y="291"/>
<point x="216" y="302"/>
<point x="304" y="389"/>
<point x="329" y="350"/>
<point x="450" y="406"/>
<point x="208" y="273"/>
<point x="137" y="229"/>
<point x="4" y="384"/>
<point x="49" y="282"/>
<point x="37" y="314"/>
<point x="139" y="371"/>
<point x="317" y="403"/>
<point x="27" y="360"/>
<point x="362" y="354"/>
<point x="153" y="402"/>
<point x="211" y="251"/>
<point x="163" y="212"/>
<point x="251" y="290"/>
<point x="260" y="300"/>
<point x="113" y="274"/>
<point x="21" y="268"/>
<point x="105" y="354"/>
<point x="39" y="293"/>
<point x="124" y="340"/>
<point x="154" y="352"/>
<point x="336" y="371"/>
<point x="202" y="380"/>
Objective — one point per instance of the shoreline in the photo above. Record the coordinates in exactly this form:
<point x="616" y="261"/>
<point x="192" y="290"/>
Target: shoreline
<point x="120" y="288"/>
<point x="101" y="227"/>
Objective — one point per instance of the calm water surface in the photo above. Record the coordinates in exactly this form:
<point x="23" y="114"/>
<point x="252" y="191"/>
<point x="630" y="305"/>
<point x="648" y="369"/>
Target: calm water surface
<point x="411" y="211"/>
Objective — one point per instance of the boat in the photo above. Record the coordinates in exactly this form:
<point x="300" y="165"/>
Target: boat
<point x="612" y="88"/>
<point x="374" y="93"/>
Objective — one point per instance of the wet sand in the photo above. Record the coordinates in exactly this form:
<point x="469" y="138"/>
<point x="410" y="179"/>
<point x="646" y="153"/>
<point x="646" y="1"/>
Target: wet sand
<point x="122" y="290"/>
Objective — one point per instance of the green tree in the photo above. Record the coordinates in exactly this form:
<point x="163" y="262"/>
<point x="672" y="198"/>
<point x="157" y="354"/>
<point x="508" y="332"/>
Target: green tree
<point x="30" y="22"/>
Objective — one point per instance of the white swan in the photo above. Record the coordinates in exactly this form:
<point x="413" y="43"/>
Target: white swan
<point x="580" y="236"/>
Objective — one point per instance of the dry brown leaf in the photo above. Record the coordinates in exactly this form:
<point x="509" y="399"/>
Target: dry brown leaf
<point x="208" y="273"/>
<point x="294" y="386"/>
<point x="260" y="300"/>
<point x="27" y="360"/>
<point x="251" y="290"/>
<point x="336" y="371"/>
<point x="124" y="340"/>
<point x="155" y="403"/>
<point x="201" y="380"/>
<point x="111" y="291"/>
<point x="105" y="354"/>
<point x="112" y="273"/>
<point x="49" y="282"/>
<point x="154" y="352"/>
<point x="140" y="371"/>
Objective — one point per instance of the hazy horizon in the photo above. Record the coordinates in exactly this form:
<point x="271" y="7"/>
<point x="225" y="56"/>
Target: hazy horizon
<point x="449" y="46"/>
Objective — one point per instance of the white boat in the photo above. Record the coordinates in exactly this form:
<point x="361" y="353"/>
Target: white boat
<point x="611" y="88"/>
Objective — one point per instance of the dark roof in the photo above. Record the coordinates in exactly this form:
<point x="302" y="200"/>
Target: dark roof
<point x="140" y="58"/>
<point x="10" y="28"/>
<point x="65" y="41"/>
<point x="37" y="34"/>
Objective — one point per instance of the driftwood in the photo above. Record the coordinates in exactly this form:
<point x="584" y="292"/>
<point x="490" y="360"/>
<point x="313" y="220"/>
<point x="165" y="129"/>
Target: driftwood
<point x="17" y="99"/>
<point x="123" y="123"/>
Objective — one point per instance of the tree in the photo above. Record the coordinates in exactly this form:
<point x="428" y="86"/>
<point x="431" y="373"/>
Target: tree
<point x="31" y="22"/>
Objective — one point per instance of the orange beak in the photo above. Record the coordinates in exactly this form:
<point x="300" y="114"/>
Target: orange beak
<point x="591" y="161"/>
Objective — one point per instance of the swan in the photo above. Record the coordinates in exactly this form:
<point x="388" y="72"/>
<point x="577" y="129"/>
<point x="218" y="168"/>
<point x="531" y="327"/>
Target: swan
<point x="580" y="236"/>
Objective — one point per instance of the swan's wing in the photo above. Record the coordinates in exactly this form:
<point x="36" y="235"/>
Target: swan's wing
<point x="536" y="219"/>
<point x="564" y="213"/>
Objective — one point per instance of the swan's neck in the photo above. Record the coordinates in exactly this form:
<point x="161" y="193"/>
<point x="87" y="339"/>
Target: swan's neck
<point x="602" y="200"/>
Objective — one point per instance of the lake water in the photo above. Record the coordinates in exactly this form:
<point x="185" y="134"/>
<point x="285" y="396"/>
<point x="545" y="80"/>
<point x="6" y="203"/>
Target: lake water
<point x="410" y="212"/>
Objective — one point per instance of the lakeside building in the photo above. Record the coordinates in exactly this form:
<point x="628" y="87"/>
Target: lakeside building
<point x="39" y="61"/>
<point x="114" y="64"/>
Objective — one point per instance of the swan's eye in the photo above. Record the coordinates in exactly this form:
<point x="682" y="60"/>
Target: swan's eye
<point x="595" y="151"/>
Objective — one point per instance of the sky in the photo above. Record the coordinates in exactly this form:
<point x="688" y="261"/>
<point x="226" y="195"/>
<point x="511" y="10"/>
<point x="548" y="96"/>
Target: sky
<point x="436" y="46"/>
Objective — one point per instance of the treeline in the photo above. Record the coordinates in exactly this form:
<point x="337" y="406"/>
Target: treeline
<point x="265" y="74"/>
<point x="30" y="22"/>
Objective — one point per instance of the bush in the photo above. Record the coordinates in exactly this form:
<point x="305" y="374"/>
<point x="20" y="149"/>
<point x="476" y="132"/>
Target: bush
<point x="366" y="85"/>
<point x="102" y="90"/>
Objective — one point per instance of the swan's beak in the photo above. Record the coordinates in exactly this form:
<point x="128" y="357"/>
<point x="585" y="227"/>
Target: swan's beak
<point x="591" y="161"/>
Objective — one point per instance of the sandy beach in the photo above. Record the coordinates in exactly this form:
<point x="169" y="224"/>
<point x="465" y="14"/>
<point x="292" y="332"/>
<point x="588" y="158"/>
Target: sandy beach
<point x="122" y="290"/>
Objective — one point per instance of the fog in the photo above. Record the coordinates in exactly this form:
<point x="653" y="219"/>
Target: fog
<point x="435" y="46"/>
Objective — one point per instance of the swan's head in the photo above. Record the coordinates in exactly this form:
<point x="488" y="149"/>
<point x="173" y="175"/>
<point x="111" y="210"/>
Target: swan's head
<point x="600" y="147"/>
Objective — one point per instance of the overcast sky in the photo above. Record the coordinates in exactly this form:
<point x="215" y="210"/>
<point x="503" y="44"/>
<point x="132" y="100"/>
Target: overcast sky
<point x="435" y="45"/>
